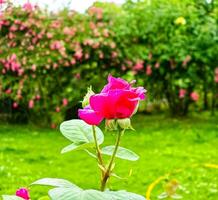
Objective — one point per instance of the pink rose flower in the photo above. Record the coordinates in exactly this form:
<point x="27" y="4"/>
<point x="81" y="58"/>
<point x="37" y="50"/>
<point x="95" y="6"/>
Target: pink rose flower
<point x="2" y="2"/>
<point x="90" y="116"/>
<point x="49" y="35"/>
<point x="57" y="109"/>
<point x="15" y="105"/>
<point x="157" y="65"/>
<point x="114" y="54"/>
<point x="148" y="70"/>
<point x="28" y="7"/>
<point x="117" y="100"/>
<point x="78" y="54"/>
<point x="138" y="66"/>
<point x="31" y="104"/>
<point x="64" y="101"/>
<point x="33" y="68"/>
<point x="53" y="126"/>
<point x="37" y="97"/>
<point x="23" y="193"/>
<point x="8" y="91"/>
<point x="194" y="96"/>
<point x="182" y="93"/>
<point x="216" y="78"/>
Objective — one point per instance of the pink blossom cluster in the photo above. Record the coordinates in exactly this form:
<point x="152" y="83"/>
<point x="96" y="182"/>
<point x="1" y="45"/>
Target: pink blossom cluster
<point x="194" y="96"/>
<point x="95" y="11"/>
<point x="182" y="93"/>
<point x="139" y="65"/>
<point x="29" y="7"/>
<point x="12" y="64"/>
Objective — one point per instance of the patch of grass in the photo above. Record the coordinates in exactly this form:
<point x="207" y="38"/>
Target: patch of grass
<point x="165" y="145"/>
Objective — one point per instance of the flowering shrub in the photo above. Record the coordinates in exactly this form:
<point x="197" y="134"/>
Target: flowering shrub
<point x="116" y="103"/>
<point x="43" y="56"/>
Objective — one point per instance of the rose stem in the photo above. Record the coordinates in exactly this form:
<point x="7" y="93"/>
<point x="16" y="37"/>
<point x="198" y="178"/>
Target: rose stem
<point x="108" y="171"/>
<point x="98" y="151"/>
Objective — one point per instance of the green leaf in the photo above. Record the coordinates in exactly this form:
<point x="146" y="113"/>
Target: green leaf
<point x="122" y="153"/>
<point x="11" y="197"/>
<point x="81" y="134"/>
<point x="75" y="194"/>
<point x="75" y="147"/>
<point x="55" y="182"/>
<point x="91" y="154"/>
<point x="118" y="177"/>
<point x="124" y="195"/>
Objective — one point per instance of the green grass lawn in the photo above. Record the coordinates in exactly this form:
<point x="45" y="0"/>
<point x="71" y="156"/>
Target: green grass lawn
<point x="165" y="145"/>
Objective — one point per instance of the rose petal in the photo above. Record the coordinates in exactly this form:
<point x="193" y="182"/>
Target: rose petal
<point x="90" y="116"/>
<point x="24" y="193"/>
<point x="115" y="83"/>
<point x="115" y="104"/>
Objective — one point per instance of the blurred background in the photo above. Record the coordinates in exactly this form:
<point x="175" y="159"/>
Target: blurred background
<point x="51" y="51"/>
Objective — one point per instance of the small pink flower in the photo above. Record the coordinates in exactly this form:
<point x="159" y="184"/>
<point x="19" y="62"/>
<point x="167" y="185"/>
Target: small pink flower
<point x="114" y="54"/>
<point x="112" y="45"/>
<point x="87" y="56"/>
<point x="49" y="35"/>
<point x="23" y="193"/>
<point x="139" y="65"/>
<point x="157" y="65"/>
<point x="148" y="70"/>
<point x="92" y="25"/>
<point x="77" y="76"/>
<point x="37" y="97"/>
<point x="57" y="109"/>
<point x="8" y="91"/>
<point x="101" y="55"/>
<point x="78" y="54"/>
<point x="106" y="33"/>
<point x="15" y="105"/>
<point x="56" y="45"/>
<point x="123" y="67"/>
<point x="65" y="101"/>
<point x="33" y="68"/>
<point x="2" y="2"/>
<point x="56" y="24"/>
<point x="194" y="96"/>
<point x="13" y="57"/>
<point x="31" y="104"/>
<point x="53" y="126"/>
<point x="28" y="7"/>
<point x="182" y="93"/>
<point x="13" y="28"/>
<point x="69" y="31"/>
<point x="216" y="78"/>
<point x="73" y="61"/>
